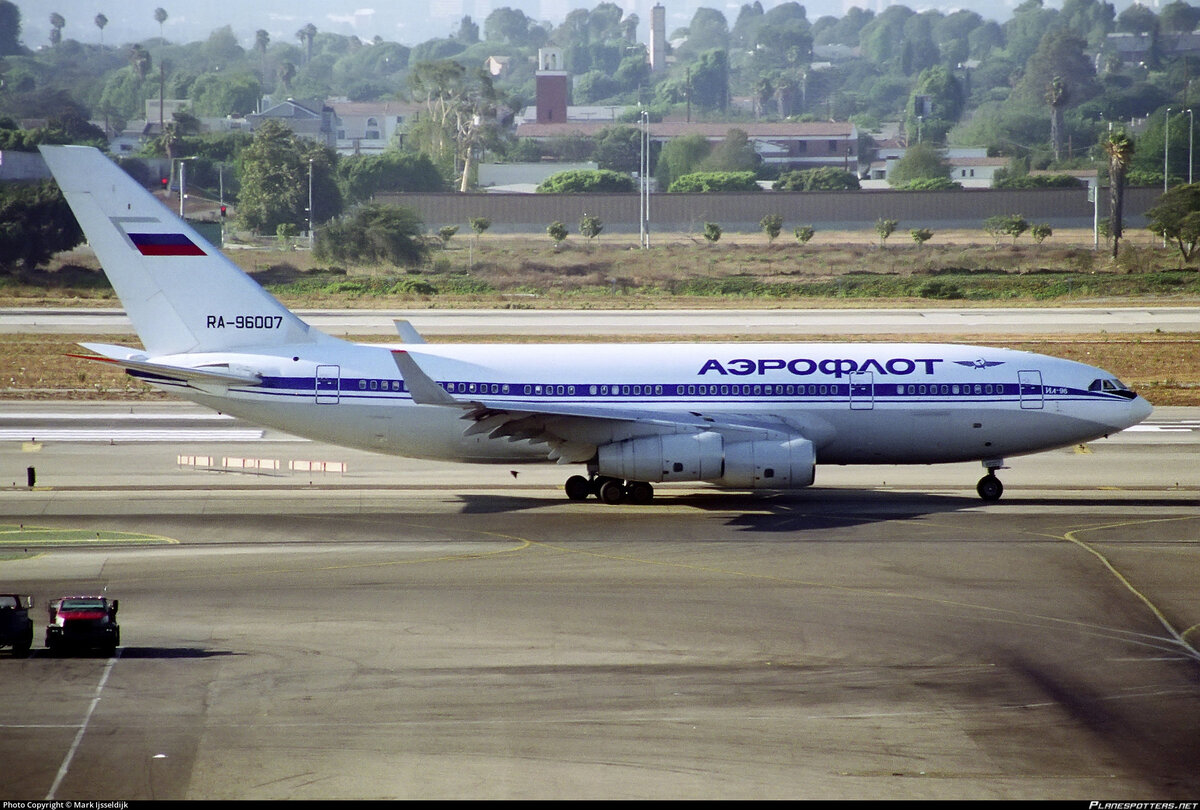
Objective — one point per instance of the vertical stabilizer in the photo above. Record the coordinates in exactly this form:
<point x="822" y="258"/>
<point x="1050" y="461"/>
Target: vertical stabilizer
<point x="181" y="293"/>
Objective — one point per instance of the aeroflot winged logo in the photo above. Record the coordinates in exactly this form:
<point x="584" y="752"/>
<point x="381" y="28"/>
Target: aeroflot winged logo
<point x="980" y="363"/>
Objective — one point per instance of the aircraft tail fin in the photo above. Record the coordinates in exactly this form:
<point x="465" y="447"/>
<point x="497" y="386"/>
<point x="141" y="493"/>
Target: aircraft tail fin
<point x="180" y="292"/>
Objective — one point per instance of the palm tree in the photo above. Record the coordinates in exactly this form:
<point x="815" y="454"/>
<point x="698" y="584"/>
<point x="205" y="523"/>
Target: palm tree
<point x="1057" y="97"/>
<point x="160" y="17"/>
<point x="56" y="26"/>
<point x="261" y="40"/>
<point x="139" y="57"/>
<point x="306" y="35"/>
<point x="1118" y="147"/>
<point x="101" y="21"/>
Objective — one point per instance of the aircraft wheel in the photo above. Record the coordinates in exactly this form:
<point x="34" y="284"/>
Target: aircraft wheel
<point x="578" y="488"/>
<point x="990" y="488"/>
<point x="611" y="491"/>
<point x="640" y="492"/>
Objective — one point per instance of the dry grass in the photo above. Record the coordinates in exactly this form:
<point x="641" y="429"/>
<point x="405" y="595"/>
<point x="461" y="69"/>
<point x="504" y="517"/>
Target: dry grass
<point x="1163" y="367"/>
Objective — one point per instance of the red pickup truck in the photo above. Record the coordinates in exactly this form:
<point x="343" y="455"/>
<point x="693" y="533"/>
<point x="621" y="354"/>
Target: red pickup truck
<point x="83" y="622"/>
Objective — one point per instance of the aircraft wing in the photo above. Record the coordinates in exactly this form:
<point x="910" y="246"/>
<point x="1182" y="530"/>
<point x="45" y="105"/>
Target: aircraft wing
<point x="134" y="360"/>
<point x="566" y="426"/>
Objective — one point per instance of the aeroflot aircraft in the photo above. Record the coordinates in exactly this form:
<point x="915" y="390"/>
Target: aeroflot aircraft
<point x="746" y="416"/>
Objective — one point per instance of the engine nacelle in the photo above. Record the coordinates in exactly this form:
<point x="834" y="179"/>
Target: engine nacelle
<point x="763" y="464"/>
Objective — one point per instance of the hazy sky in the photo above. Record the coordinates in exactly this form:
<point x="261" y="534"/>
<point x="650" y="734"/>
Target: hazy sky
<point x="405" y="21"/>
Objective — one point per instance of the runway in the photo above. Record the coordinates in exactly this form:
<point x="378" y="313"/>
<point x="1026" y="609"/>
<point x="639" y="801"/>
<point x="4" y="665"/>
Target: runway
<point x="748" y="322"/>
<point x="406" y="629"/>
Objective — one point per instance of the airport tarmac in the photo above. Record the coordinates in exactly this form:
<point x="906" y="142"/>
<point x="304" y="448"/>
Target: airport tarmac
<point x="374" y="627"/>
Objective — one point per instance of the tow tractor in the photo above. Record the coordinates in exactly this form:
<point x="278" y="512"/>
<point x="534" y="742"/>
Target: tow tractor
<point x="16" y="628"/>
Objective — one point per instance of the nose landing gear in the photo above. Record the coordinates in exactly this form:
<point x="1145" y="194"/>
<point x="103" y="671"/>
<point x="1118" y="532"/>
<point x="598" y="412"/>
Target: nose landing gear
<point x="989" y="487"/>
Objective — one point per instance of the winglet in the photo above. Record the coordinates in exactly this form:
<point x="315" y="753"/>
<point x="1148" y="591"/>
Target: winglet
<point x="422" y="387"/>
<point x="407" y="332"/>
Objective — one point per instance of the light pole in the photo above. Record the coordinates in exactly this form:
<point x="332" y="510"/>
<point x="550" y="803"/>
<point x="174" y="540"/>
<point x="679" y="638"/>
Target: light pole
<point x="310" y="211"/>
<point x="644" y="171"/>
<point x="183" y="182"/>
<point x="1191" y="133"/>
<point x="1166" y="142"/>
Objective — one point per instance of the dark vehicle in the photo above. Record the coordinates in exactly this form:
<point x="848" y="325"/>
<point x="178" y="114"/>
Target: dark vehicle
<point x="83" y="622"/>
<point x="16" y="628"/>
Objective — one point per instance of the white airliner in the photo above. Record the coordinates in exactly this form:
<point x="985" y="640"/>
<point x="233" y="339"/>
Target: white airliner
<point x="740" y="415"/>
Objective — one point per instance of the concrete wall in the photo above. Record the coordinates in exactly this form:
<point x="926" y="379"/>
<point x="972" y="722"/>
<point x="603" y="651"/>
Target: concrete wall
<point x="850" y="210"/>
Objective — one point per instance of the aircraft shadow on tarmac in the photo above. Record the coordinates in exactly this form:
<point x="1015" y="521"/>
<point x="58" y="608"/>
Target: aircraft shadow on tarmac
<point x="809" y="509"/>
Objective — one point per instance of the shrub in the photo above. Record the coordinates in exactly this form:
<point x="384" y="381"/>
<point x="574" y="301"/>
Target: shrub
<point x="804" y="233"/>
<point x="586" y="181"/>
<point x="712" y="231"/>
<point x="771" y="224"/>
<point x="558" y="232"/>
<point x="715" y="181"/>
<point x="590" y="226"/>
<point x="885" y="228"/>
<point x="921" y="235"/>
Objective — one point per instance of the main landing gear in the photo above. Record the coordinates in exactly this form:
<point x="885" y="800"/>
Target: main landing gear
<point x="989" y="487"/>
<point x="608" y="490"/>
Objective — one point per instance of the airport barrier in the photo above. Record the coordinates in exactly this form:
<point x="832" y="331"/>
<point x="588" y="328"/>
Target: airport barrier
<point x="317" y="466"/>
<point x="232" y="463"/>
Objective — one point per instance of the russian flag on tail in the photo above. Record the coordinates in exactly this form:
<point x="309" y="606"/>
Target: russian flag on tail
<point x="165" y="244"/>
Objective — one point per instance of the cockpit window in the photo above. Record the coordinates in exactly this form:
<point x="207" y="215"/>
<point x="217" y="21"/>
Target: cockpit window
<point x="1111" y="385"/>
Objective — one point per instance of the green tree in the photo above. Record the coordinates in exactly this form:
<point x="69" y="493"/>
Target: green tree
<point x="35" y="223"/>
<point x="586" y="180"/>
<point x="680" y="156"/>
<point x="885" y="228"/>
<point x="804" y="233"/>
<point x="374" y="233"/>
<point x="557" y="232"/>
<point x="712" y="232"/>
<point x="160" y="17"/>
<point x="920" y="161"/>
<point x="274" y="174"/>
<point x="921" y="235"/>
<point x="480" y="225"/>
<point x="715" y="181"/>
<point x="1176" y="217"/>
<point x="1041" y="232"/>
<point x="771" y="225"/>
<point x="363" y="176"/>
<point x="590" y="226"/>
<point x="1006" y="225"/>
<point x="10" y="29"/>
<point x="825" y="178"/>
<point x="57" y="23"/>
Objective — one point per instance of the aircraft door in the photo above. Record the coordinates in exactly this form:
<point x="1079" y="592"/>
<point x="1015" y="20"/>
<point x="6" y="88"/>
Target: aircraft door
<point x="862" y="390"/>
<point x="328" y="385"/>
<point x="1031" y="389"/>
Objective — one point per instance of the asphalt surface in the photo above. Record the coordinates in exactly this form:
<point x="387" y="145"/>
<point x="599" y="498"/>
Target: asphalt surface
<point x="404" y="629"/>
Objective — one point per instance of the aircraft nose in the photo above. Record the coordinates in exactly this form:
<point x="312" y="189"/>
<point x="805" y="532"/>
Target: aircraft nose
<point x="1136" y="410"/>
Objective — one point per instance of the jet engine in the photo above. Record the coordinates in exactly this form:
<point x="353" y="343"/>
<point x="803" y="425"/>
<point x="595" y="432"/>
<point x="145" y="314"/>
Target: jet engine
<point x="764" y="464"/>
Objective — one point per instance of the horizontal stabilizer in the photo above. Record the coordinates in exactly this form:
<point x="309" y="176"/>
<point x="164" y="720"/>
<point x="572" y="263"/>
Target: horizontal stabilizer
<point x="132" y="361"/>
